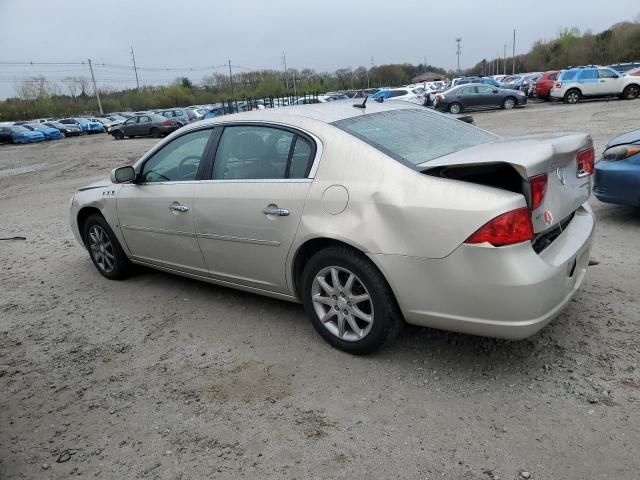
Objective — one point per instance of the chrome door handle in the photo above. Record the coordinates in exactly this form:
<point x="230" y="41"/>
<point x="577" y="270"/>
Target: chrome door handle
<point x="275" y="210"/>
<point x="179" y="208"/>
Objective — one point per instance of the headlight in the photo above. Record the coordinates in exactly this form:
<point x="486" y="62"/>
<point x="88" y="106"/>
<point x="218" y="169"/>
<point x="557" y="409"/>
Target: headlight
<point x="620" y="152"/>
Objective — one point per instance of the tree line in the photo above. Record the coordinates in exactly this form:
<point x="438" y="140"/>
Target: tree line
<point x="617" y="44"/>
<point x="37" y="97"/>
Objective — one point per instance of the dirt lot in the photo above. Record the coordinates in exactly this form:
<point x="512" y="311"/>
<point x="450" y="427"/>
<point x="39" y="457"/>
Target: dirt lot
<point x="163" y="377"/>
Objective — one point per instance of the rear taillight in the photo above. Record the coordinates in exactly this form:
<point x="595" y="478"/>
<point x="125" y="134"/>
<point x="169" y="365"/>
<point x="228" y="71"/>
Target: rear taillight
<point x="507" y="229"/>
<point x="538" y="190"/>
<point x="558" y="85"/>
<point x="167" y="122"/>
<point x="439" y="97"/>
<point x="585" y="160"/>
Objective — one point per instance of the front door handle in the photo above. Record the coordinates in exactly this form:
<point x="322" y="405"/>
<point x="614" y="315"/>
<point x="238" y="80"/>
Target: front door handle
<point x="275" y="210"/>
<point x="178" y="208"/>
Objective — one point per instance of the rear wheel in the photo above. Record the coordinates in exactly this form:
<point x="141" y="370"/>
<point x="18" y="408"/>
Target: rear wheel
<point x="509" y="103"/>
<point x="348" y="301"/>
<point x="104" y="249"/>
<point x="455" y="108"/>
<point x="155" y="132"/>
<point x="572" y="97"/>
<point x="630" y="92"/>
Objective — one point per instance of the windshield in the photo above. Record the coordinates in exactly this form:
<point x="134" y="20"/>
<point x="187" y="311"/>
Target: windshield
<point x="82" y="121"/>
<point x="56" y="125"/>
<point x="414" y="136"/>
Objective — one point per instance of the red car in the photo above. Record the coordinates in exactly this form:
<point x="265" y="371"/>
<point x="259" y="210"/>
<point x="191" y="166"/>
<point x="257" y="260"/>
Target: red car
<point x="545" y="82"/>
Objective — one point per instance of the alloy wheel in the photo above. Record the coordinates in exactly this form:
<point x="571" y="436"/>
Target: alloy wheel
<point x="573" y="97"/>
<point x="632" y="92"/>
<point x="509" y="104"/>
<point x="342" y="303"/>
<point x="101" y="249"/>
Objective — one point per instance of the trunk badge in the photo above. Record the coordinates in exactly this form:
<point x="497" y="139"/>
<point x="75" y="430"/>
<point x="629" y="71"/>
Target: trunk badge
<point x="548" y="218"/>
<point x="560" y="175"/>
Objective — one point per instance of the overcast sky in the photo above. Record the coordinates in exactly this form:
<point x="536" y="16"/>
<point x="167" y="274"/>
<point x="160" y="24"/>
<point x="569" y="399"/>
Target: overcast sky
<point x="254" y="33"/>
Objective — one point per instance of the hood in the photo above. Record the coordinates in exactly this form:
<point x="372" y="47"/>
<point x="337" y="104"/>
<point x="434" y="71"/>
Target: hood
<point x="625" y="139"/>
<point x="105" y="182"/>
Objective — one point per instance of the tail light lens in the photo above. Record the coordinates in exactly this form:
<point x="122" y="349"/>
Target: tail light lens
<point x="440" y="97"/>
<point x="167" y="122"/>
<point x="558" y="85"/>
<point x="507" y="229"/>
<point x="538" y="190"/>
<point x="585" y="160"/>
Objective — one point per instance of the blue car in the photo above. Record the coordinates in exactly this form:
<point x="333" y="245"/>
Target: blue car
<point x="617" y="178"/>
<point x="19" y="134"/>
<point x="86" y="125"/>
<point x="49" y="133"/>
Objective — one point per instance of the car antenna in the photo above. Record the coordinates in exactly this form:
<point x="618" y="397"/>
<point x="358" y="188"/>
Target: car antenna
<point x="361" y="105"/>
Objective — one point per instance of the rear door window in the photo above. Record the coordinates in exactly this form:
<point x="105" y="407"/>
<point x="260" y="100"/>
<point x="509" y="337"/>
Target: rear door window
<point x="588" y="75"/>
<point x="606" y="73"/>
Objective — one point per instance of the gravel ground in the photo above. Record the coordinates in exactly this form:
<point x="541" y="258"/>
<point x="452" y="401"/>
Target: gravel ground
<point x="163" y="377"/>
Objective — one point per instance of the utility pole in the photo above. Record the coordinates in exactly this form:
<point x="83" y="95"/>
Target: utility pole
<point x="459" y="51"/>
<point x="286" y="77"/>
<point x="368" y="84"/>
<point x="231" y="78"/>
<point x="135" y="69"/>
<point x="95" y="87"/>
<point x="295" y="89"/>
<point x="504" y="60"/>
<point x="514" y="53"/>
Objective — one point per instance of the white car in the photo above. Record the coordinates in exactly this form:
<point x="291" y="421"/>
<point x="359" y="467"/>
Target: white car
<point x="590" y="82"/>
<point x="410" y="94"/>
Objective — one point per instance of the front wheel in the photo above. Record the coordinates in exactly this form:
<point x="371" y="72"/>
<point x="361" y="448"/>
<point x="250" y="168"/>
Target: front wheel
<point x="455" y="108"/>
<point x="631" y="92"/>
<point x="348" y="301"/>
<point x="509" y="103"/>
<point x="118" y="135"/>
<point x="104" y="249"/>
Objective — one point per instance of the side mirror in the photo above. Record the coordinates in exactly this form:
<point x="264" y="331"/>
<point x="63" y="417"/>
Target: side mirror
<point x="123" y="174"/>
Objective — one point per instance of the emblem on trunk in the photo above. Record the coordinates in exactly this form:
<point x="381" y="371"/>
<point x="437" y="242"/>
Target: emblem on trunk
<point x="548" y="218"/>
<point x="560" y="175"/>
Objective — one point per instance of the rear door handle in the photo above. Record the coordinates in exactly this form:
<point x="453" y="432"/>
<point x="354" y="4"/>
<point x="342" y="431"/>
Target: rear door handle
<point x="179" y="208"/>
<point x="275" y="210"/>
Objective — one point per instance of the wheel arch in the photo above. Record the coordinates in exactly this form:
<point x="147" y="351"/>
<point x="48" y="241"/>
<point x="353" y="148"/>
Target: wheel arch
<point x="83" y="214"/>
<point x="313" y="245"/>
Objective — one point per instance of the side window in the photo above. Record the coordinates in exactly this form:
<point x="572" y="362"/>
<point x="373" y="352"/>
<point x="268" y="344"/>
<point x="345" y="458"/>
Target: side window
<point x="178" y="161"/>
<point x="397" y="93"/>
<point x="588" y="75"/>
<point x="301" y="159"/>
<point x="484" y="89"/>
<point x="468" y="90"/>
<point x="553" y="76"/>
<point x="178" y="113"/>
<point x="144" y="119"/>
<point x="605" y="73"/>
<point x="131" y="121"/>
<point x="252" y="152"/>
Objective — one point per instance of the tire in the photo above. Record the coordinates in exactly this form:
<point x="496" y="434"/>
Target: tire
<point x="131" y="136"/>
<point x="155" y="132"/>
<point x="631" y="92"/>
<point x="118" y="135"/>
<point x="509" y="103"/>
<point x="104" y="249"/>
<point x="380" y="306"/>
<point x="455" y="108"/>
<point x="572" y="96"/>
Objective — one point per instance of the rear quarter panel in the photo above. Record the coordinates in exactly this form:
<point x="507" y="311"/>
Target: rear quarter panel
<point x="393" y="209"/>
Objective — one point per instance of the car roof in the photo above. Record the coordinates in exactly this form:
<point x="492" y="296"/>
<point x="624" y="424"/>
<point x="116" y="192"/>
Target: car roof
<point x="322" y="112"/>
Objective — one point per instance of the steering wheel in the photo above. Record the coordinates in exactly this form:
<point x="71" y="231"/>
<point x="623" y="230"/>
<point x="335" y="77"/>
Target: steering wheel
<point x="188" y="167"/>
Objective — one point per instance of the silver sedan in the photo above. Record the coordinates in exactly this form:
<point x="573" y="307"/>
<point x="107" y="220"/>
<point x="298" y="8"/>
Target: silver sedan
<point x="370" y="217"/>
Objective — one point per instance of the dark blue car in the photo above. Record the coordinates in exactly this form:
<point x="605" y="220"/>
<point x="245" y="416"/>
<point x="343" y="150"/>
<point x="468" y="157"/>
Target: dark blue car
<point x="617" y="178"/>
<point x="49" y="133"/>
<point x="19" y="134"/>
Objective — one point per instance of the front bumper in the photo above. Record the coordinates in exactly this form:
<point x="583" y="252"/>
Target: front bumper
<point x="506" y="292"/>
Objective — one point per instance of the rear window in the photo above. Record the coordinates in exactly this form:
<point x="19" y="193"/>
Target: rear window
<point x="568" y="75"/>
<point x="414" y="136"/>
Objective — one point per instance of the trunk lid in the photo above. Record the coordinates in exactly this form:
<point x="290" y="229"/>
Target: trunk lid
<point x="551" y="154"/>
